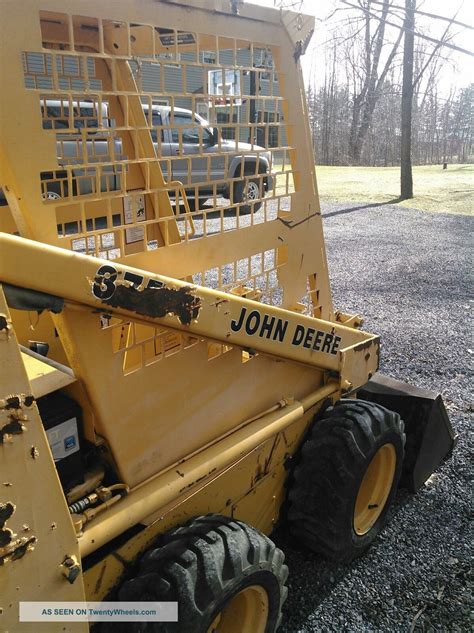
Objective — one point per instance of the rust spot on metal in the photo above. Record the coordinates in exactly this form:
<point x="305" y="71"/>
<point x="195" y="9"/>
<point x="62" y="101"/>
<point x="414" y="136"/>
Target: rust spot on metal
<point x="16" y="401"/>
<point x="14" y="427"/>
<point x="18" y="415"/>
<point x="29" y="401"/>
<point x="24" y="546"/>
<point x="6" y="511"/>
<point x="34" y="452"/>
<point x="6" y="537"/>
<point x="11" y="549"/>
<point x="13" y="402"/>
<point x="366" y="344"/>
<point x="17" y="549"/>
<point x="196" y="481"/>
<point x="4" y="323"/>
<point x="157" y="302"/>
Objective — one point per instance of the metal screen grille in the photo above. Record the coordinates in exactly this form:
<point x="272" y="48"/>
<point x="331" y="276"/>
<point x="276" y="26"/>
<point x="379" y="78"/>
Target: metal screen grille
<point x="227" y="171"/>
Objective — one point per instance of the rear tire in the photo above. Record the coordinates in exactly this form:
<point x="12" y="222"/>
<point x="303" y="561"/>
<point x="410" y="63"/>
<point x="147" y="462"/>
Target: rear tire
<point x="225" y="575"/>
<point x="346" y="479"/>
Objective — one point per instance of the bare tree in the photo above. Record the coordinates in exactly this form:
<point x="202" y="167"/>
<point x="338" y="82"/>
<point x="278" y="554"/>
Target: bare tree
<point x="406" y="175"/>
<point x="373" y="71"/>
<point x="356" y="110"/>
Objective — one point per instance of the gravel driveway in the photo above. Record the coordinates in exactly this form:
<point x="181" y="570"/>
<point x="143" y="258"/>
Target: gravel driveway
<point x="407" y="272"/>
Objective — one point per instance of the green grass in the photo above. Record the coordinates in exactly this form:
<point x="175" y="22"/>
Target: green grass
<point x="445" y="191"/>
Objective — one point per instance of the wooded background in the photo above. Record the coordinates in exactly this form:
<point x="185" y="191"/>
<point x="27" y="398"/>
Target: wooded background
<point x="355" y="104"/>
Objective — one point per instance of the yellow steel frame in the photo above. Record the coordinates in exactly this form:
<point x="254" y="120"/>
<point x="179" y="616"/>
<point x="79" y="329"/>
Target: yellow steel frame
<point x="38" y="536"/>
<point x="202" y="346"/>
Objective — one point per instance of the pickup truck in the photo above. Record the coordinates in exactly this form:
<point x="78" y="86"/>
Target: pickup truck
<point x="187" y="134"/>
<point x="177" y="132"/>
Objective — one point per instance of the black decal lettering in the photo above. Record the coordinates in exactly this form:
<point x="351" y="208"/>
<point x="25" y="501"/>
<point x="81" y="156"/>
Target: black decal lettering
<point x="154" y="283"/>
<point x="133" y="278"/>
<point x="236" y="325"/>
<point x="308" y="338"/>
<point x="267" y="326"/>
<point x="299" y="335"/>
<point x="327" y="344"/>
<point x="280" y="330"/>
<point x="251" y="328"/>
<point x="317" y="340"/>
<point x="335" y="345"/>
<point x="104" y="282"/>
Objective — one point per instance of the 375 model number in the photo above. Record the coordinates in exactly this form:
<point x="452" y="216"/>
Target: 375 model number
<point x="106" y="277"/>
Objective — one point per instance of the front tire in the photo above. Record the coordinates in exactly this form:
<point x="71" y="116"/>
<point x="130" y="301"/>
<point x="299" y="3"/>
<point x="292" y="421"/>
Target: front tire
<point x="226" y="576"/>
<point x="196" y="204"/>
<point x="347" y="479"/>
<point x="247" y="194"/>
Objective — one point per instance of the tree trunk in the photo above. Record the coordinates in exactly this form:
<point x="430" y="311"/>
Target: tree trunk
<point x="406" y="176"/>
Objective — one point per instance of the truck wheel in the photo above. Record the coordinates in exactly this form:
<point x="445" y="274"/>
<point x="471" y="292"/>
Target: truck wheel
<point x="50" y="195"/>
<point x="346" y="479"/>
<point x="225" y="575"/>
<point x="245" y="192"/>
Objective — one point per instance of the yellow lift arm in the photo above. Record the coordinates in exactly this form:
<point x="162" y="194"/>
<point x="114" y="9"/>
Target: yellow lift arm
<point x="121" y="290"/>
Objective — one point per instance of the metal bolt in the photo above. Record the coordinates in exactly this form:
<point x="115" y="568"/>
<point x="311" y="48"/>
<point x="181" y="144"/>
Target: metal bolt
<point x="70" y="568"/>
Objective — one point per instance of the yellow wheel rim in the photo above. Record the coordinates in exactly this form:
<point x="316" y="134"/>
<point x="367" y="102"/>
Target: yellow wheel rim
<point x="374" y="489"/>
<point x="247" y="612"/>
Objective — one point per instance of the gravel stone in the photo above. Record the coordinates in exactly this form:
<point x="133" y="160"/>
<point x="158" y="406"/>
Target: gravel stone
<point x="406" y="272"/>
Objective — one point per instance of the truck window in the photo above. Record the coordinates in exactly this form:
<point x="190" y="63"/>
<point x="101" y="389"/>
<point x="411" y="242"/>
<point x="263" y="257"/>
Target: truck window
<point x="58" y="118"/>
<point x="156" y="120"/>
<point x="190" y="134"/>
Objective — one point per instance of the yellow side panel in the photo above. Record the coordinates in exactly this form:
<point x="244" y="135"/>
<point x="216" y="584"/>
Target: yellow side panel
<point x="34" y="519"/>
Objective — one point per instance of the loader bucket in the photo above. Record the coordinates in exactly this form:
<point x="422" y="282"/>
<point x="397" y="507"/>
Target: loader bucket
<point x="430" y="436"/>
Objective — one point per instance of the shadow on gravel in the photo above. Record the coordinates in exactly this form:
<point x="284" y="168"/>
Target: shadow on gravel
<point x="372" y="205"/>
<point x="310" y="581"/>
<point x="312" y="578"/>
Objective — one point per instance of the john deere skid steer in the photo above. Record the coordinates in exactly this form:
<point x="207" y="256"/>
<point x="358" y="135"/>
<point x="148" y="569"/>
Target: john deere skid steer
<point x="172" y="370"/>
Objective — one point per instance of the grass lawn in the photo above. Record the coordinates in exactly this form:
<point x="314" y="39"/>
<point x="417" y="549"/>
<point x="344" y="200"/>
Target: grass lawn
<point x="446" y="191"/>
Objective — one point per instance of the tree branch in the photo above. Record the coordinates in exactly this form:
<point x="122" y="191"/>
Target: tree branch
<point x="416" y="33"/>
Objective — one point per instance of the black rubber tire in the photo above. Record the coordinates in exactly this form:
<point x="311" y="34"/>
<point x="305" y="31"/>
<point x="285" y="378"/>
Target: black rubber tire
<point x="203" y="565"/>
<point x="333" y="462"/>
<point x="239" y="196"/>
<point x="195" y="205"/>
<point x="54" y="189"/>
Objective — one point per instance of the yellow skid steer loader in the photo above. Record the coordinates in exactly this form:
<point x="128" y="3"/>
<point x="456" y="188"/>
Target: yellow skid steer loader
<point x="172" y="369"/>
